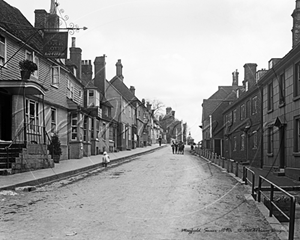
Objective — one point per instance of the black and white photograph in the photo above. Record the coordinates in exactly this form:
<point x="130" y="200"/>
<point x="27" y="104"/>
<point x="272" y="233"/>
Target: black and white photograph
<point x="150" y="120"/>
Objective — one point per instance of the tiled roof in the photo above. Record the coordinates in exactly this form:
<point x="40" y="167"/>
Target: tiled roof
<point x="122" y="88"/>
<point x="13" y="21"/>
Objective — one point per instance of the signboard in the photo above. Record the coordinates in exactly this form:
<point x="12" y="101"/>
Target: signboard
<point x="55" y="44"/>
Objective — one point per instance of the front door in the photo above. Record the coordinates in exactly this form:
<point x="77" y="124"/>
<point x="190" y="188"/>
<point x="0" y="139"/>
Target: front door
<point x="282" y="146"/>
<point x="217" y="149"/>
<point x="5" y="116"/>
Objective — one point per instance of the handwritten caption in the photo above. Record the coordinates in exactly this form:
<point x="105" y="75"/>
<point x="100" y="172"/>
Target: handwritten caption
<point x="228" y="230"/>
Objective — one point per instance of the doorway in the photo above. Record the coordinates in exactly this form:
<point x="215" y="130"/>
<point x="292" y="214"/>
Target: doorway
<point x="282" y="146"/>
<point x="5" y="116"/>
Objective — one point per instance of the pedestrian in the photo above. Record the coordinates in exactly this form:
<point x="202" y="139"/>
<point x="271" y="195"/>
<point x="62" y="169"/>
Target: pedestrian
<point x="159" y="141"/>
<point x="105" y="159"/>
<point x="176" y="146"/>
<point x="181" y="147"/>
<point x="173" y="146"/>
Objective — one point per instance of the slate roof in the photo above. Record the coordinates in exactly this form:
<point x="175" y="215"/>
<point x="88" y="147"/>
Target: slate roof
<point x="13" y="21"/>
<point x="211" y="104"/>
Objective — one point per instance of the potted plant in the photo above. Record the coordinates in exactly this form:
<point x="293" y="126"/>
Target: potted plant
<point x="55" y="148"/>
<point x="27" y="68"/>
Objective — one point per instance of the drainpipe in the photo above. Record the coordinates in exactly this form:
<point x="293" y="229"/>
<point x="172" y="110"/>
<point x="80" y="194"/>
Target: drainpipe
<point x="261" y="129"/>
<point x="44" y="124"/>
<point x="24" y="115"/>
<point x="210" y="133"/>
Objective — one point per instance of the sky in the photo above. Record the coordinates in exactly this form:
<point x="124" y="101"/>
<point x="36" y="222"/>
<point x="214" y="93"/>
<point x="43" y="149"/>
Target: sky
<point x="177" y="51"/>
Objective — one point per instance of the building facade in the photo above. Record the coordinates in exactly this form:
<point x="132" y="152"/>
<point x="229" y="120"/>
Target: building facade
<point x="242" y="118"/>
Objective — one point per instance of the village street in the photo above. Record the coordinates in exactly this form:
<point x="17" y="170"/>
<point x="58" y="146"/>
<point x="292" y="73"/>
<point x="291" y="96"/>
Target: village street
<point x="156" y="196"/>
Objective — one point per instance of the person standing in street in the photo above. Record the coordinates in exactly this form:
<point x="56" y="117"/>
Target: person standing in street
<point x="176" y="146"/>
<point x="105" y="159"/>
<point x="159" y="141"/>
<point x="173" y="146"/>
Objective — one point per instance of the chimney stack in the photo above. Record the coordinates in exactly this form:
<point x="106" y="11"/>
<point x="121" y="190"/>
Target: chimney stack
<point x="260" y="73"/>
<point x="168" y="110"/>
<point x="235" y="79"/>
<point x="40" y="18"/>
<point x="173" y="114"/>
<point x="75" y="57"/>
<point x="149" y="106"/>
<point x="250" y="74"/>
<point x="87" y="70"/>
<point x="119" y="70"/>
<point x="132" y="89"/>
<point x="100" y="74"/>
<point x="296" y="24"/>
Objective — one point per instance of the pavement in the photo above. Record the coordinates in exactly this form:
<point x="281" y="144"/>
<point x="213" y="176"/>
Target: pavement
<point x="67" y="168"/>
<point x="290" y="185"/>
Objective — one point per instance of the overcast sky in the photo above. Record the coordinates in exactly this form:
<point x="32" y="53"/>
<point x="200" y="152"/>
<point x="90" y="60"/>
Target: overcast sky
<point x="177" y="51"/>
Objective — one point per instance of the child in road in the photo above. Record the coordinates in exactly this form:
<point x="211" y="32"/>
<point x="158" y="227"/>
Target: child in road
<point x="105" y="159"/>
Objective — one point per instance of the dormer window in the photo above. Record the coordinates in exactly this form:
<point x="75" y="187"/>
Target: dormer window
<point x="93" y="98"/>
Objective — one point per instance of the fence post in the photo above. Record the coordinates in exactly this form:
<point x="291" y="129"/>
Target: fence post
<point x="271" y="200"/>
<point x="245" y="175"/>
<point x="253" y="185"/>
<point x="259" y="189"/>
<point x="292" y="218"/>
<point x="227" y="164"/>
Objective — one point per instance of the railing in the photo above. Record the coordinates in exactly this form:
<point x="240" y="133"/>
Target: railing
<point x="247" y="180"/>
<point x="292" y="208"/>
<point x="248" y="177"/>
<point x="34" y="134"/>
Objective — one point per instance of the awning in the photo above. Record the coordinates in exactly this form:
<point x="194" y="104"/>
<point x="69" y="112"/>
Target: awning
<point x="17" y="87"/>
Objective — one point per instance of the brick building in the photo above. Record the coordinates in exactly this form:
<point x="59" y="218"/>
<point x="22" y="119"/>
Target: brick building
<point x="212" y="116"/>
<point x="281" y="103"/>
<point x="242" y="120"/>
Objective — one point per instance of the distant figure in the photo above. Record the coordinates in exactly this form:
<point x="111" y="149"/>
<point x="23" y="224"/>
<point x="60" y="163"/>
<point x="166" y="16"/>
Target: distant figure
<point x="176" y="146"/>
<point x="105" y="159"/>
<point x="181" y="147"/>
<point x="159" y="141"/>
<point x="192" y="146"/>
<point x="173" y="146"/>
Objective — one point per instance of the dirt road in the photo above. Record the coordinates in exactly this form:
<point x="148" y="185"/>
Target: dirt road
<point x="157" y="196"/>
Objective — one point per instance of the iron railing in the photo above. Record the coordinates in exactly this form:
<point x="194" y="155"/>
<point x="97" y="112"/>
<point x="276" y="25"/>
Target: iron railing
<point x="246" y="178"/>
<point x="34" y="134"/>
<point x="292" y="208"/>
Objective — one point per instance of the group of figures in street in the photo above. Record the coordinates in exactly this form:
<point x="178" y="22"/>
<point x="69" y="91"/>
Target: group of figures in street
<point x="177" y="147"/>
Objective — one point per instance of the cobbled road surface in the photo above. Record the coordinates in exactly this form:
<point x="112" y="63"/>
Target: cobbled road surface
<point x="155" y="196"/>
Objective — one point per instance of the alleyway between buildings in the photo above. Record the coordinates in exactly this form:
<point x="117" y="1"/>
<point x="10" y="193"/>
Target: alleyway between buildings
<point x="156" y="196"/>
